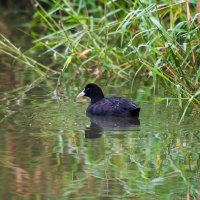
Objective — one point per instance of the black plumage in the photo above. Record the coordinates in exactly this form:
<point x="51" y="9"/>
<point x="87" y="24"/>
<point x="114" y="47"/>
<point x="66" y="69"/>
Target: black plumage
<point x="110" y="106"/>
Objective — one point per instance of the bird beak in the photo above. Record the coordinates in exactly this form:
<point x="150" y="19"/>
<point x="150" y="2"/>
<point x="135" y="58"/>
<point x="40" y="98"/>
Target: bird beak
<point x="81" y="94"/>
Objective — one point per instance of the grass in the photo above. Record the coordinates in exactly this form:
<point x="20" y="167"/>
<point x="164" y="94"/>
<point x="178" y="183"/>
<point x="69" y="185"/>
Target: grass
<point x="159" y="41"/>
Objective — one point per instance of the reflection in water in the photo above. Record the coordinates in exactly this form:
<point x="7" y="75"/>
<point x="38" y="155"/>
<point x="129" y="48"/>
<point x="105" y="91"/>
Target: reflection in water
<point x="108" y="123"/>
<point x="44" y="154"/>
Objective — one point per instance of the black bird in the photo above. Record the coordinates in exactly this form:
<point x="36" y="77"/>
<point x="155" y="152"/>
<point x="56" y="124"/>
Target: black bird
<point x="110" y="106"/>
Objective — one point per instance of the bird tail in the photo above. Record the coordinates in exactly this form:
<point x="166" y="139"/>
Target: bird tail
<point x="135" y="112"/>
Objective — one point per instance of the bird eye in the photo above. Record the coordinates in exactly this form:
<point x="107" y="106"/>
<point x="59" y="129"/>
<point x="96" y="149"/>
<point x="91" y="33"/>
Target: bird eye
<point x="87" y="88"/>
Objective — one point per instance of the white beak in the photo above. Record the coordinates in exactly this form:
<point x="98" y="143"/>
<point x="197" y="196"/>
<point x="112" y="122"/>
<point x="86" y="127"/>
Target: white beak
<point x="81" y="94"/>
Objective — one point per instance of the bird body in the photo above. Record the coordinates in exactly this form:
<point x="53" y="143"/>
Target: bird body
<point x="113" y="106"/>
<point x="110" y="106"/>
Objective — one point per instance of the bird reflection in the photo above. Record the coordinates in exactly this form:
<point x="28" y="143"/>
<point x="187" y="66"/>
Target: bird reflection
<point x="108" y="123"/>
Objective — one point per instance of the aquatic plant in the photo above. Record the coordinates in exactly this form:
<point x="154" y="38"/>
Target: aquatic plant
<point x="127" y="39"/>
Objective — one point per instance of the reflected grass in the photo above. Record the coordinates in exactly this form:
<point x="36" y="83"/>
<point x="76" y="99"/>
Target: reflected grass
<point x="45" y="153"/>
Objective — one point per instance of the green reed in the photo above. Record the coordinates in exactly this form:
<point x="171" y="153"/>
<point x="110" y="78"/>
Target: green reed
<point x="158" y="41"/>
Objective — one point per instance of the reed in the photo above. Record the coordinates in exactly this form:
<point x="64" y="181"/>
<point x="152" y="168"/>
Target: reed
<point x="120" y="38"/>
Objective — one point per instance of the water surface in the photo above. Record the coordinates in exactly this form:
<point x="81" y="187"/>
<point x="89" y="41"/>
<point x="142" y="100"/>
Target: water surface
<point x="50" y="149"/>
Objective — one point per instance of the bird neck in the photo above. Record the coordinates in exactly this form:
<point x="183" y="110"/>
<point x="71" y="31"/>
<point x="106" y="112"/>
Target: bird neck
<point x="97" y="98"/>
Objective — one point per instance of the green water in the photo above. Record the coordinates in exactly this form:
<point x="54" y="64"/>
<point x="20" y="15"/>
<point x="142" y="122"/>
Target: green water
<point x="49" y="149"/>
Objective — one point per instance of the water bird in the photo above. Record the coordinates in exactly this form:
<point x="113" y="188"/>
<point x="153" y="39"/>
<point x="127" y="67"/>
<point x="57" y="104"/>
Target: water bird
<point x="108" y="106"/>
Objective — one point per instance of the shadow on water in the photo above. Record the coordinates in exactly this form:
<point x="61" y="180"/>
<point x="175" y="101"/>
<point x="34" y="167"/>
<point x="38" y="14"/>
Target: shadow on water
<point x="99" y="124"/>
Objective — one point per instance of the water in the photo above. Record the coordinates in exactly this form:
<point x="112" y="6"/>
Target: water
<point x="50" y="149"/>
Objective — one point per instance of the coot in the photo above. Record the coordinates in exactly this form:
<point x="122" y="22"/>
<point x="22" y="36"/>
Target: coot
<point x="111" y="106"/>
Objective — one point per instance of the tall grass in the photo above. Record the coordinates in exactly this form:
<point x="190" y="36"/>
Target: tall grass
<point x="122" y="38"/>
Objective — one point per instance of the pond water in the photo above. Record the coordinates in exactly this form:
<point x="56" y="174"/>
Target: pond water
<point x="49" y="148"/>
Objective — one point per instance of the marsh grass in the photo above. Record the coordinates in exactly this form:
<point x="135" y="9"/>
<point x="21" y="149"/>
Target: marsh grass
<point x="158" y="41"/>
